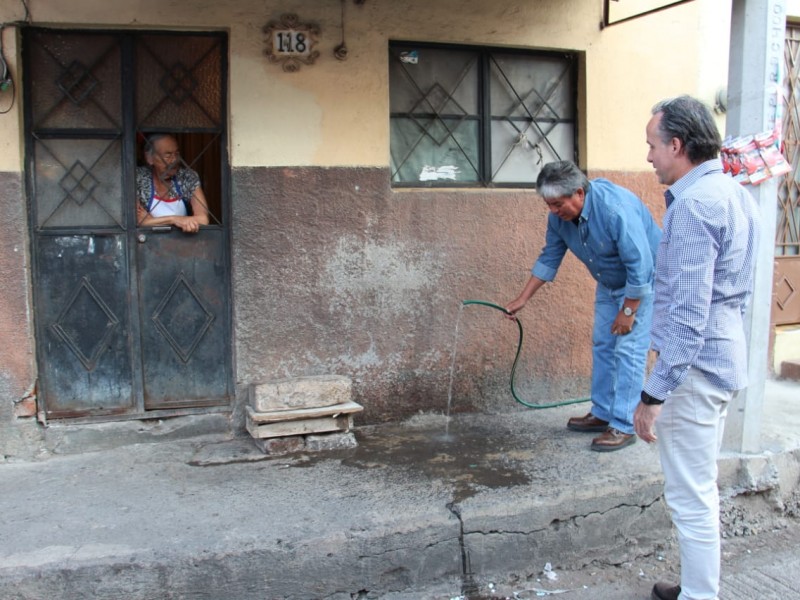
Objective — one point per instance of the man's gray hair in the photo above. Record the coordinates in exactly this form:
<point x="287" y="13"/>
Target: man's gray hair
<point x="560" y="178"/>
<point x="690" y="121"/>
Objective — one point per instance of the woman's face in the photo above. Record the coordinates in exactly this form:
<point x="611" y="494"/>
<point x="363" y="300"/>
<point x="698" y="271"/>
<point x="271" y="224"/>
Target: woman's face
<point x="165" y="157"/>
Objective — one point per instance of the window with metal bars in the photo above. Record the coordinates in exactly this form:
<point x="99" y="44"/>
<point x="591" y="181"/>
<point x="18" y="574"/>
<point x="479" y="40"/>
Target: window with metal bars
<point x="475" y="116"/>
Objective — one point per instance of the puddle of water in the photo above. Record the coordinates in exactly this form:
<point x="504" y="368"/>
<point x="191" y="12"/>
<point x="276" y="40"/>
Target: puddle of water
<point x="469" y="457"/>
<point x="445" y="437"/>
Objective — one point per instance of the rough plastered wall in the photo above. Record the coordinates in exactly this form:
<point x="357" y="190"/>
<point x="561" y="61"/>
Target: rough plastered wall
<point x="17" y="371"/>
<point x="335" y="272"/>
<point x="17" y="366"/>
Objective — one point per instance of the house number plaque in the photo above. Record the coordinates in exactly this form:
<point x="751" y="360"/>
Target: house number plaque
<point x="291" y="43"/>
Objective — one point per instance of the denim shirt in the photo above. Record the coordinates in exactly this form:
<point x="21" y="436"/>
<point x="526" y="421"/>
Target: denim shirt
<point x="616" y="238"/>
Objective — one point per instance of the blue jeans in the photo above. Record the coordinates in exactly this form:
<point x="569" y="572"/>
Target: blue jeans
<point x="618" y="361"/>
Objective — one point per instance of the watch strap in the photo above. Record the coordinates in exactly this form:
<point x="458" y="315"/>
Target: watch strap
<point x="650" y="400"/>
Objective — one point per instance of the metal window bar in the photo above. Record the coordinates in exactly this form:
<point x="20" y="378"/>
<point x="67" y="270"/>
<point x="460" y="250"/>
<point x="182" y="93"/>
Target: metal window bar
<point x="67" y="170"/>
<point x="171" y="68"/>
<point x="434" y="115"/>
<point x="86" y="70"/>
<point x="532" y="119"/>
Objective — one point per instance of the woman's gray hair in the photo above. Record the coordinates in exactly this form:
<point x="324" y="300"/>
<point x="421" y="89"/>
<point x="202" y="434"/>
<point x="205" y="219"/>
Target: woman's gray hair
<point x="560" y="178"/>
<point x="690" y="121"/>
<point x="150" y="141"/>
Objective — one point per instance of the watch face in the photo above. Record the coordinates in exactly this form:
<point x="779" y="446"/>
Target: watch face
<point x="627" y="311"/>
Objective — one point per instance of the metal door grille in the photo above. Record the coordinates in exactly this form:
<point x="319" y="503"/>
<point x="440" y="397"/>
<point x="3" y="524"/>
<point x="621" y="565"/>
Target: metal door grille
<point x="786" y="291"/>
<point x="129" y="321"/>
<point x="788" y="233"/>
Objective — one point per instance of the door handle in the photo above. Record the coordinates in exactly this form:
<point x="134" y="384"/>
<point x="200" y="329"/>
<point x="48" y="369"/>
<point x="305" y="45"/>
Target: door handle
<point x="142" y="238"/>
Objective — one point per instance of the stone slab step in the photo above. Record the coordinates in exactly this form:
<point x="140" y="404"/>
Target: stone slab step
<point x="301" y="421"/>
<point x="790" y="369"/>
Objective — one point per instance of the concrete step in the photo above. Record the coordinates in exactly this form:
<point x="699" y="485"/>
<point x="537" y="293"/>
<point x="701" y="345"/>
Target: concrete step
<point x="430" y="502"/>
<point x="414" y="504"/>
<point x="790" y="369"/>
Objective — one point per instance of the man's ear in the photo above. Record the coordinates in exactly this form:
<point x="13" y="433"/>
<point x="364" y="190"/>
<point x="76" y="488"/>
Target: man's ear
<point x="677" y="146"/>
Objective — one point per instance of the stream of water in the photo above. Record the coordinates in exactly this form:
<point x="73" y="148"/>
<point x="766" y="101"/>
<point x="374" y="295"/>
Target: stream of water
<point x="452" y="372"/>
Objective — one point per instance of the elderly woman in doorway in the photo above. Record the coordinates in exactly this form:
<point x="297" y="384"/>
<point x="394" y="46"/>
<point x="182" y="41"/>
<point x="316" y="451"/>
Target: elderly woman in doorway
<point x="167" y="192"/>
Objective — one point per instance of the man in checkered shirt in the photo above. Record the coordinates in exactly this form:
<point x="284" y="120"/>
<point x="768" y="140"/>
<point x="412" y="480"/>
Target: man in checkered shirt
<point x="703" y="282"/>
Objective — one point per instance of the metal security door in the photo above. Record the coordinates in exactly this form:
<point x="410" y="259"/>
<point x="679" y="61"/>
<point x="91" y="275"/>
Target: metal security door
<point x="183" y="278"/>
<point x="128" y="321"/>
<point x="786" y="278"/>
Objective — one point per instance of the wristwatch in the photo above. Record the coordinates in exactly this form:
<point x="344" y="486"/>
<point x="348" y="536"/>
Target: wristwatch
<point x="649" y="400"/>
<point x="628" y="311"/>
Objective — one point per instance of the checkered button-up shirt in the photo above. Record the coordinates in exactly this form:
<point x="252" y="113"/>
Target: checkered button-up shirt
<point x="704" y="280"/>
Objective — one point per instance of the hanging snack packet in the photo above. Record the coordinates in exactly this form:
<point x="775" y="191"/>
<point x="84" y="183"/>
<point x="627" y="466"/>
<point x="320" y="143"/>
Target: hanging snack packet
<point x="771" y="154"/>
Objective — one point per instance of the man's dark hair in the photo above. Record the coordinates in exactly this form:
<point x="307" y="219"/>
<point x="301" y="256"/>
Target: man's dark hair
<point x="690" y="121"/>
<point x="560" y="178"/>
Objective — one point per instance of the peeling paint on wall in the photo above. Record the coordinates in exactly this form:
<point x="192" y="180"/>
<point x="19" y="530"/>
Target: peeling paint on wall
<point x="389" y="276"/>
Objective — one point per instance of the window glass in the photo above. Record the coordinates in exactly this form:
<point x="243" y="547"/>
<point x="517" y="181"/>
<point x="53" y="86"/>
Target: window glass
<point x="478" y="116"/>
<point x="435" y="150"/>
<point x="78" y="183"/>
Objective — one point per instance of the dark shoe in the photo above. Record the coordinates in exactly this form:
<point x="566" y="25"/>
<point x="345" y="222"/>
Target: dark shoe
<point x="663" y="591"/>
<point x="612" y="439"/>
<point x="587" y="423"/>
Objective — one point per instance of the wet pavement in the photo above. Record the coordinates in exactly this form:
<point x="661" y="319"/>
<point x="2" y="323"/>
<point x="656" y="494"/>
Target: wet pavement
<point x="432" y="508"/>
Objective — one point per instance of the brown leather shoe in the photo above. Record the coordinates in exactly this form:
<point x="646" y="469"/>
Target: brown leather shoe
<point x="612" y="439"/>
<point x="664" y="591"/>
<point x="587" y="423"/>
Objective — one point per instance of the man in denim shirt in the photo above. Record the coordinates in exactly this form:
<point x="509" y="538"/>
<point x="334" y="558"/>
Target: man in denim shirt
<point x="609" y="229"/>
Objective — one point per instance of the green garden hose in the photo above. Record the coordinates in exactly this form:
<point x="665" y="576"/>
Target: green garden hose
<point x="516" y="359"/>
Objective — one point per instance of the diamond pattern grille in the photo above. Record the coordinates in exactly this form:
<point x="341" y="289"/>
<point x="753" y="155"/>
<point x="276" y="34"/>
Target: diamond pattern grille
<point x="786" y="275"/>
<point x="77" y="82"/>
<point x="532" y="112"/>
<point x="784" y="292"/>
<point x="432" y="105"/>
<point x="78" y="182"/>
<point x="86" y="324"/>
<point x="788" y="230"/>
<point x="478" y="115"/>
<point x="182" y="318"/>
<point x="178" y="83"/>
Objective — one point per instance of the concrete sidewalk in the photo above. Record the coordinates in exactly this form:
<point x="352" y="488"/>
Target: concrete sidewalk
<point x="424" y="509"/>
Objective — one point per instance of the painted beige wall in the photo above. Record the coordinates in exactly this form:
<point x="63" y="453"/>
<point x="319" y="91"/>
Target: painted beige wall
<point x="334" y="113"/>
<point x="682" y="50"/>
<point x="11" y="122"/>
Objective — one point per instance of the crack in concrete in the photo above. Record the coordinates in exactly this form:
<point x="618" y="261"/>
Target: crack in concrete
<point x="468" y="585"/>
<point x="555" y="523"/>
<point x="573" y="520"/>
